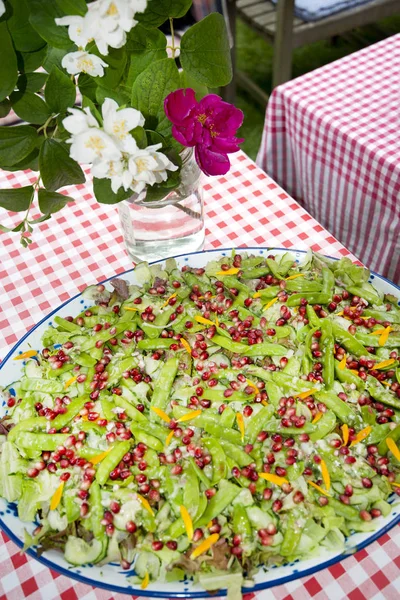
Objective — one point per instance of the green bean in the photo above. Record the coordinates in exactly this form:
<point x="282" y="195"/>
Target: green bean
<point x="218" y="459"/>
<point x="378" y="392"/>
<point x="32" y="424"/>
<point x="165" y="381"/>
<point x="226" y="493"/>
<point x="40" y="441"/>
<point x="73" y="408"/>
<point x="156" y="344"/>
<point x="236" y="453"/>
<point x="352" y="345"/>
<point x="112" y="459"/>
<point x="148" y="439"/>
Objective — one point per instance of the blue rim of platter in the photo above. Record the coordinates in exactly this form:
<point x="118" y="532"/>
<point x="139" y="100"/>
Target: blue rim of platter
<point x="131" y="590"/>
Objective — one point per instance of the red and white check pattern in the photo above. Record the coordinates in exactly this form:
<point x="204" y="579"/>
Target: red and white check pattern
<point x="331" y="139"/>
<point x="83" y="244"/>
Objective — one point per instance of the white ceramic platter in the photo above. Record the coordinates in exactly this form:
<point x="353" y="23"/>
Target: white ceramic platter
<point x="111" y="576"/>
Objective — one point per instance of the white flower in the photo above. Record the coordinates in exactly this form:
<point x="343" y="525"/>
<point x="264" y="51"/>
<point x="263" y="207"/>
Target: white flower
<point x="79" y="121"/>
<point x="118" y="123"/>
<point x="81" y="30"/>
<point x="93" y="144"/>
<point x="114" y="170"/>
<point x="83" y="62"/>
<point x="2" y="8"/>
<point x="148" y="166"/>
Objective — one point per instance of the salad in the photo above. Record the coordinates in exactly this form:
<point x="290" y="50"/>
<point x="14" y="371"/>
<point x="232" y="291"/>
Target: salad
<point x="207" y="421"/>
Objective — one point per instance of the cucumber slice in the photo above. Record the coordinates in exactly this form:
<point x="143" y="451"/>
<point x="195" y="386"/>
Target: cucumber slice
<point x="78" y="552"/>
<point x="32" y="369"/>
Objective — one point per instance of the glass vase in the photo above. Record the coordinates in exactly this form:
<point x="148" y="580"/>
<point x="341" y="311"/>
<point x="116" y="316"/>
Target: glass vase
<point x="173" y="225"/>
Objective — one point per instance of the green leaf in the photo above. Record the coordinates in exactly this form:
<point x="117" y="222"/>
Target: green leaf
<point x="149" y="91"/>
<point x="158" y="11"/>
<point x="116" y="60"/>
<point x="87" y="86"/>
<point x="205" y="53"/>
<point x="28" y="62"/>
<point x="144" y="47"/>
<point x="188" y="82"/>
<point x="57" y="168"/>
<point x="51" y="202"/>
<point x="87" y="102"/>
<point x="60" y="92"/>
<point x="39" y="219"/>
<point x="31" y="82"/>
<point x="8" y="63"/>
<point x="118" y="95"/>
<point x="29" y="162"/>
<point x="5" y="107"/>
<point x="16" y="143"/>
<point x="140" y="136"/>
<point x="72" y="7"/>
<point x="12" y="230"/>
<point x="30" y="107"/>
<point x="42" y="20"/>
<point x="54" y="57"/>
<point x="105" y="195"/>
<point x="25" y="38"/>
<point x="16" y="199"/>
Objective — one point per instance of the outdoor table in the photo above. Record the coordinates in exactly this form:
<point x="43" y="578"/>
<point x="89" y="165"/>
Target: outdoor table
<point x="82" y="245"/>
<point x="331" y="139"/>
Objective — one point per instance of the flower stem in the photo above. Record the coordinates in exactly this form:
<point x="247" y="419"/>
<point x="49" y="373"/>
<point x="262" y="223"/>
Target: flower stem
<point x="171" y="24"/>
<point x="188" y="211"/>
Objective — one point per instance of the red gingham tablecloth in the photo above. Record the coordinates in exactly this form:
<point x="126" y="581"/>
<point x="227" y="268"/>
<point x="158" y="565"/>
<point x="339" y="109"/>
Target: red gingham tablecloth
<point x="332" y="140"/>
<point x="83" y="244"/>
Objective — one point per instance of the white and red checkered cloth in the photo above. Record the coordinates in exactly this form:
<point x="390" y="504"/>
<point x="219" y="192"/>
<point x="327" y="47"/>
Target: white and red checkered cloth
<point x="332" y="140"/>
<point x="82" y="245"/>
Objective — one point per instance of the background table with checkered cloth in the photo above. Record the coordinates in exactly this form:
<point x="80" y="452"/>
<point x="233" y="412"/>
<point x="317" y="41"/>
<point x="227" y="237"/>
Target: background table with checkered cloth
<point x="331" y="139"/>
<point x="82" y="245"/>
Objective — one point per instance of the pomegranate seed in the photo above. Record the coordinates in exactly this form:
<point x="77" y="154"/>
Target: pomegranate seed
<point x="172" y="545"/>
<point x="157" y="545"/>
<point x="365" y="515"/>
<point x="277" y="505"/>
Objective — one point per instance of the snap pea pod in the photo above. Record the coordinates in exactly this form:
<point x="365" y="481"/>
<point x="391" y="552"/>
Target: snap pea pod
<point x="328" y="361"/>
<point x="378" y="392"/>
<point x="300" y="284"/>
<point x="115" y="370"/>
<point x="147" y="438"/>
<point x="378" y="432"/>
<point x="71" y="508"/>
<point x="382" y="315"/>
<point x="346" y="376"/>
<point x="40" y="441"/>
<point x="325" y="425"/>
<point x="311" y="297"/>
<point x="88" y="426"/>
<point x="191" y="492"/>
<point x="107" y="406"/>
<point x="129" y="408"/>
<point x="32" y="424"/>
<point x="88" y="452"/>
<point x="96" y="511"/>
<point x="240" y="522"/>
<point x="393" y="340"/>
<point x="292" y="535"/>
<point x="344" y="510"/>
<point x="328" y="281"/>
<point x="394" y="434"/>
<point x="200" y="473"/>
<point x="53" y="373"/>
<point x="232" y="282"/>
<point x="226" y="493"/>
<point x="224" y="433"/>
<point x="256" y="422"/>
<point x="192" y="280"/>
<point x="84" y="360"/>
<point x="216" y="395"/>
<point x="218" y="459"/>
<point x="165" y="381"/>
<point x="274" y="393"/>
<point x="228" y="417"/>
<point x="153" y="331"/>
<point x="156" y="344"/>
<point x="112" y="459"/>
<point x="342" y="410"/>
<point x="269" y="292"/>
<point x="46" y="386"/>
<point x="368" y="295"/>
<point x="314" y="320"/>
<point x="236" y="453"/>
<point x="73" y="408"/>
<point x="351" y="344"/>
<point x="102" y="336"/>
<point x="263" y="349"/>
<point x="256" y="273"/>
<point x="67" y="325"/>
